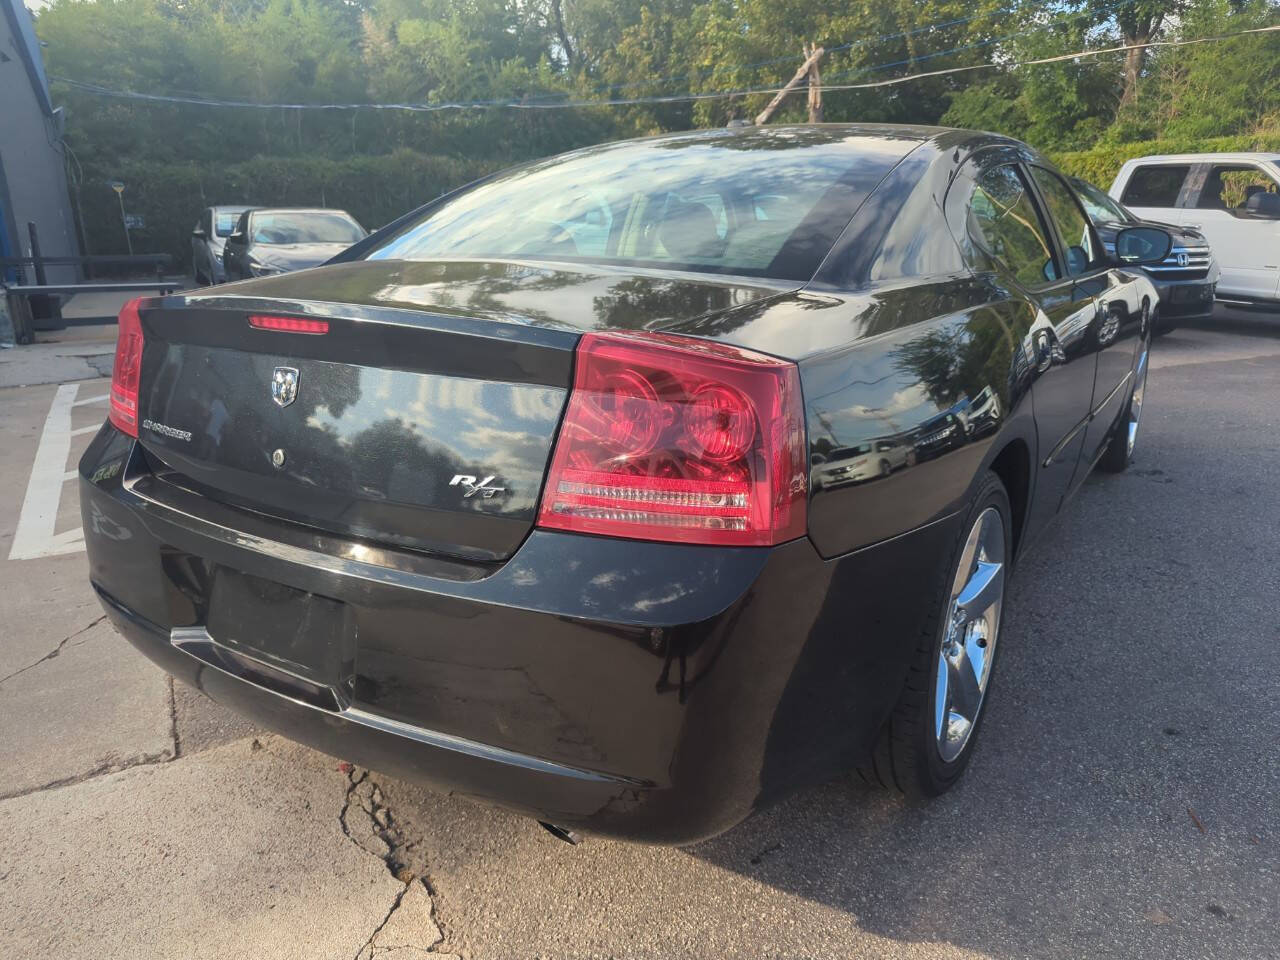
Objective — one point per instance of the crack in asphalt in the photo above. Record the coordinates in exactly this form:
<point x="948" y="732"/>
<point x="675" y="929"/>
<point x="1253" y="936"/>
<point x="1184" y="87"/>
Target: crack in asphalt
<point x="368" y="944"/>
<point x="62" y="644"/>
<point x="111" y="764"/>
<point x="383" y="840"/>
<point x="173" y="720"/>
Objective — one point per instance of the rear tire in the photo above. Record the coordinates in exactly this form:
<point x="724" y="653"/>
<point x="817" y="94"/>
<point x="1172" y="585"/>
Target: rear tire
<point x="928" y="739"/>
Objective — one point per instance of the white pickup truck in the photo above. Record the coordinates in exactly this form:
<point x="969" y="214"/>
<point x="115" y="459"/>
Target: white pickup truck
<point x="1233" y="199"/>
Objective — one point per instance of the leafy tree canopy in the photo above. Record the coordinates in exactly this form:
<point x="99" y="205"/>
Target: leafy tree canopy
<point x="538" y="52"/>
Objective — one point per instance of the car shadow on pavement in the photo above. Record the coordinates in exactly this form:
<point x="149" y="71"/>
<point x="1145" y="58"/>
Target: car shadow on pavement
<point x="1119" y="802"/>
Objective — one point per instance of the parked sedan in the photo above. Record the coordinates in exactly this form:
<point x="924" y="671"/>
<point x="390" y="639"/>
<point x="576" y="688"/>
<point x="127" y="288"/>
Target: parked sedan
<point x="270" y="241"/>
<point x="866" y="461"/>
<point x="531" y="513"/>
<point x="207" y="240"/>
<point x="1186" y="278"/>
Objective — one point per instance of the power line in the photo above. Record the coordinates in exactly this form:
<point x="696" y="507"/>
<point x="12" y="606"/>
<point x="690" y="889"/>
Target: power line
<point x="851" y="44"/>
<point x="848" y="45"/>
<point x="982" y="43"/>
<point x="1121" y="48"/>
<point x="689" y="97"/>
<point x="559" y="99"/>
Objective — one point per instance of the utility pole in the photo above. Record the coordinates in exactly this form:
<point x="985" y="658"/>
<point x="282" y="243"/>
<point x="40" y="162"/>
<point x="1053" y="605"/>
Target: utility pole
<point x="815" y="85"/>
<point x="807" y="69"/>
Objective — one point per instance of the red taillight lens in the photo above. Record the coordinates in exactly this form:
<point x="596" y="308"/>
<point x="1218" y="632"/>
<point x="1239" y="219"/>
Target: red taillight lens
<point x="127" y="370"/>
<point x="671" y="438"/>
<point x="289" y="324"/>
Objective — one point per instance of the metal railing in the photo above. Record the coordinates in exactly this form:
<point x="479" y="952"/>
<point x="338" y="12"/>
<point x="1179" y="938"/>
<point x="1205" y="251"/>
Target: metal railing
<point x="36" y="305"/>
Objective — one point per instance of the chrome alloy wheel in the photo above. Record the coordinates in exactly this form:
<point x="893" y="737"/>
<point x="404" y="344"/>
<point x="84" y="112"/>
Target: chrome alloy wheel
<point x="1135" y="405"/>
<point x="972" y="628"/>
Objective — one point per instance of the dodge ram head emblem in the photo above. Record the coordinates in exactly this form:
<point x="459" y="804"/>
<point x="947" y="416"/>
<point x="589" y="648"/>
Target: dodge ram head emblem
<point x="473" y="487"/>
<point x="284" y="385"/>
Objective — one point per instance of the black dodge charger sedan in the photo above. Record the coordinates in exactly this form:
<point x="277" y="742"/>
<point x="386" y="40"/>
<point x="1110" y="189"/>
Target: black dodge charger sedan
<point x="517" y="498"/>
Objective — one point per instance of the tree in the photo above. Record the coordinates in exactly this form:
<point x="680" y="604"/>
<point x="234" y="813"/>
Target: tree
<point x="1138" y="22"/>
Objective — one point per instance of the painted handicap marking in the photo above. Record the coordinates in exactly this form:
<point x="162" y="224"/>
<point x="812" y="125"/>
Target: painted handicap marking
<point x="36" y="536"/>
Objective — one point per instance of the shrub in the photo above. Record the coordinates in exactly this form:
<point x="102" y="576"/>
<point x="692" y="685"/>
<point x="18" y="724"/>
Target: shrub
<point x="1101" y="164"/>
<point x="170" y="196"/>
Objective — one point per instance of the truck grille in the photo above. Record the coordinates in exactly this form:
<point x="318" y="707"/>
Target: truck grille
<point x="1183" y="263"/>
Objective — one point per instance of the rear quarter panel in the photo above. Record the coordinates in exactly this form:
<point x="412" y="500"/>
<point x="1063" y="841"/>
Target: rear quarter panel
<point x="910" y="383"/>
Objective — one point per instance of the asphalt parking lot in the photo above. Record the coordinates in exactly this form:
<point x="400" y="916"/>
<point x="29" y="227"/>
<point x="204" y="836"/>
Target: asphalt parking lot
<point x="1122" y="802"/>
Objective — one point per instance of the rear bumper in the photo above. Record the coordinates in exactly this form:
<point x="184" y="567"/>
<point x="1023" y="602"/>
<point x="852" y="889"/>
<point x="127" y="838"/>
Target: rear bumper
<point x="551" y="791"/>
<point x="654" y="691"/>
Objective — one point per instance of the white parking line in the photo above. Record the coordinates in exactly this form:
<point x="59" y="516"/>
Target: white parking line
<point x="35" y="536"/>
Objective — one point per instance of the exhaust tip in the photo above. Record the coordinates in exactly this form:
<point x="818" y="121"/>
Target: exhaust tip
<point x="561" y="833"/>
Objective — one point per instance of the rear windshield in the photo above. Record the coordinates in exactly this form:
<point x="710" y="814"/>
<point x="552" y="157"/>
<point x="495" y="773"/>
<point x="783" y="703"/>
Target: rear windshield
<point x="730" y="202"/>
<point x="316" y="227"/>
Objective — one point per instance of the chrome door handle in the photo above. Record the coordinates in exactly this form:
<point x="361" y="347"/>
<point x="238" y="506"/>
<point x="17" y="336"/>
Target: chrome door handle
<point x="1044" y="350"/>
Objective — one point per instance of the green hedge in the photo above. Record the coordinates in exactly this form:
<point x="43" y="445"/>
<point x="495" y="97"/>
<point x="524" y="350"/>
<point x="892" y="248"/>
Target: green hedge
<point x="377" y="189"/>
<point x="1101" y="164"/>
<point x="169" y="197"/>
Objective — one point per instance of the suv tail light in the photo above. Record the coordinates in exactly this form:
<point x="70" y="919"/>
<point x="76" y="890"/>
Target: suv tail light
<point x="671" y="438"/>
<point x="127" y="370"/>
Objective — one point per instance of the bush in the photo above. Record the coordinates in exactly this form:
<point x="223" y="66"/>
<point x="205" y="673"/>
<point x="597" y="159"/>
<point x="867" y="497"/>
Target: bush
<point x="1101" y="164"/>
<point x="170" y="196"/>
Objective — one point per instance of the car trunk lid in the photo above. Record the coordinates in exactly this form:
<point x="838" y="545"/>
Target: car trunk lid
<point x="427" y="428"/>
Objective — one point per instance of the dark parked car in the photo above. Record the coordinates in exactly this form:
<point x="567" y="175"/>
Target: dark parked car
<point x="268" y="241"/>
<point x="207" y="240"/>
<point x="1186" y="279"/>
<point x="516" y="498"/>
<point x="938" y="435"/>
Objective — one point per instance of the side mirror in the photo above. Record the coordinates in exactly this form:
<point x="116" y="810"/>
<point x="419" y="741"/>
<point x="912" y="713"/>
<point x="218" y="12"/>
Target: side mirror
<point x="1142" y="246"/>
<point x="199" y="233"/>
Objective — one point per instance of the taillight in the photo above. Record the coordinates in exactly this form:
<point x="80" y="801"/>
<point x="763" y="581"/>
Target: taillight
<point x="671" y="438"/>
<point x="127" y="370"/>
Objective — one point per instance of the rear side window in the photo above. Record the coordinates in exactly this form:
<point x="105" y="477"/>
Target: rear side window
<point x="1155" y="186"/>
<point x="1230" y="187"/>
<point x="1006" y="221"/>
